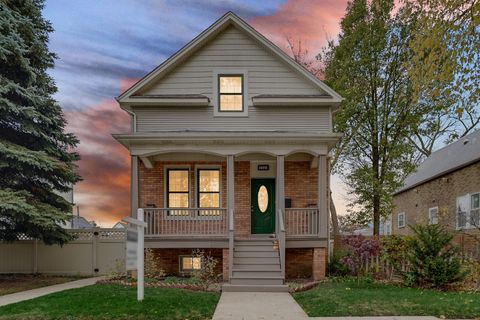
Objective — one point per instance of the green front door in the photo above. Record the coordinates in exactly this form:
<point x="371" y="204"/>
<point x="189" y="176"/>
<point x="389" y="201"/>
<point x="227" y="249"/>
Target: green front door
<point x="263" y="206"/>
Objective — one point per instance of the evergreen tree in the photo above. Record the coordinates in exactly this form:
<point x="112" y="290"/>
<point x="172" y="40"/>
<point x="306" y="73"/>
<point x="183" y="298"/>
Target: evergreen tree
<point x="36" y="157"/>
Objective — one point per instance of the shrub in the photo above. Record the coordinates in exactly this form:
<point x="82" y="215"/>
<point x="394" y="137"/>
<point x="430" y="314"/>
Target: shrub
<point x="335" y="266"/>
<point x="394" y="249"/>
<point x="152" y="270"/>
<point x="471" y="268"/>
<point x="206" y="276"/>
<point x="434" y="261"/>
<point x="361" y="249"/>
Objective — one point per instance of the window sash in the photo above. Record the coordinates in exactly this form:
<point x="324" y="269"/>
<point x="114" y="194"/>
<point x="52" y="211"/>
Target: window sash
<point x="168" y="193"/>
<point x="401" y="220"/>
<point x="209" y="192"/>
<point x="189" y="263"/>
<point x="433" y="215"/>
<point x="240" y="94"/>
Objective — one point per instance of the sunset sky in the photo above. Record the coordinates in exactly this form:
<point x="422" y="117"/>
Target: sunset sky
<point x="105" y="46"/>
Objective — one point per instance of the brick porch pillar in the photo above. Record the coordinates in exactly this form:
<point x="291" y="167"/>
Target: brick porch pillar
<point x="319" y="265"/>
<point x="225" y="264"/>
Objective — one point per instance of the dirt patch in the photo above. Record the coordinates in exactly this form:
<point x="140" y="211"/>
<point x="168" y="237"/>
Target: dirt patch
<point x="11" y="283"/>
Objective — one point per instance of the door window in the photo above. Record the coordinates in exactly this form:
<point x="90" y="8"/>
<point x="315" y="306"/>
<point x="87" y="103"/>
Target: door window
<point x="262" y="199"/>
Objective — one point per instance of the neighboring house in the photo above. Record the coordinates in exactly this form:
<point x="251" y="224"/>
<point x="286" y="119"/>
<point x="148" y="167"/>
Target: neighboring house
<point x="229" y="146"/>
<point x="445" y="189"/>
<point x="77" y="222"/>
<point x="119" y="225"/>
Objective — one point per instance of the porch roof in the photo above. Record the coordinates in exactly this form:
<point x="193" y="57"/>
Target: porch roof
<point x="228" y="142"/>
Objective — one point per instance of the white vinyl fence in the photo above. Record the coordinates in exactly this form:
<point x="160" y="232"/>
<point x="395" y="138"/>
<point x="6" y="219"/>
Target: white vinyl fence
<point x="94" y="252"/>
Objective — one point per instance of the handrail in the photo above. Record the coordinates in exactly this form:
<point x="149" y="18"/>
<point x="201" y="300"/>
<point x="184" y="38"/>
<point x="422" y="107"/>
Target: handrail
<point x="231" y="235"/>
<point x="281" y="242"/>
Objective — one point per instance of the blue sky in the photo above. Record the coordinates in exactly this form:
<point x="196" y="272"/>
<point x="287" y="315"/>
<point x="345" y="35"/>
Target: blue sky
<point x="101" y="42"/>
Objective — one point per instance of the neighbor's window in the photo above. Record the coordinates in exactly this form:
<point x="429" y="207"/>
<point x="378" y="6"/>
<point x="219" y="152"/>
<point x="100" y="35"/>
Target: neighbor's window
<point x="178" y="195"/>
<point x="189" y="263"/>
<point x="208" y="186"/>
<point x="401" y="220"/>
<point x="433" y="215"/>
<point x="230" y="93"/>
<point x="475" y="210"/>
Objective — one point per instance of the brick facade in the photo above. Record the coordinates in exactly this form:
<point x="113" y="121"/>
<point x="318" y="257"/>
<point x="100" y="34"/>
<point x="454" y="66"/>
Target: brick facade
<point x="301" y="185"/>
<point x="168" y="259"/>
<point x="441" y="192"/>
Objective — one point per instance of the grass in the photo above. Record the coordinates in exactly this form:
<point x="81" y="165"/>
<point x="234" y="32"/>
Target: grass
<point x="115" y="302"/>
<point x="11" y="283"/>
<point x="366" y="298"/>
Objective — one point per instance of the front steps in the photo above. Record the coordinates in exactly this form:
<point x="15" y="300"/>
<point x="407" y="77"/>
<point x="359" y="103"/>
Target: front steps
<point x="256" y="267"/>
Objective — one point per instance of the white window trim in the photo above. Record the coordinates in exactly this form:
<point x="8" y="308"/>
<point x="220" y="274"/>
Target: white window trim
<point x="246" y="97"/>
<point x="404" y="220"/>
<point x="430" y="215"/>
<point x="471" y="195"/>
<point x="469" y="209"/>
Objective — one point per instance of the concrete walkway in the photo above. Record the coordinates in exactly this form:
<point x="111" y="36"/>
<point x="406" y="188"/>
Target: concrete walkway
<point x="258" y="305"/>
<point x="35" y="293"/>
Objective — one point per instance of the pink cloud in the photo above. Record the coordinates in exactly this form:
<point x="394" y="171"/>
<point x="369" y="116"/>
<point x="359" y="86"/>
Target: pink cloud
<point x="312" y="22"/>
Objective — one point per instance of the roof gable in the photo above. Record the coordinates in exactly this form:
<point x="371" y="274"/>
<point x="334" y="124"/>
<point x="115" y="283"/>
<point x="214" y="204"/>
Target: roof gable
<point x="450" y="158"/>
<point x="166" y="78"/>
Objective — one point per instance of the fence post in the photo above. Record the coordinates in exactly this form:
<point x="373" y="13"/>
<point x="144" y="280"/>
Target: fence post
<point x="35" y="256"/>
<point x="94" y="251"/>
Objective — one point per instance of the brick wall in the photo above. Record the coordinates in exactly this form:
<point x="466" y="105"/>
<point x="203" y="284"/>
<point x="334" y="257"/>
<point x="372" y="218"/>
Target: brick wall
<point x="168" y="259"/>
<point x="441" y="192"/>
<point x="306" y="263"/>
<point x="242" y="199"/>
<point x="301" y="183"/>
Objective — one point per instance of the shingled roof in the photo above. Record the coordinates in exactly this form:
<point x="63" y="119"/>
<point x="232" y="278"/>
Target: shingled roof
<point x="463" y="152"/>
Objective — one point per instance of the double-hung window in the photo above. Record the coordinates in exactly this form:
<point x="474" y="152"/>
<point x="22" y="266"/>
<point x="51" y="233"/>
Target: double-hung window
<point x="433" y="215"/>
<point x="401" y="220"/>
<point x="230" y="93"/>
<point x="178" y="195"/>
<point x="208" y="191"/>
<point x="189" y="263"/>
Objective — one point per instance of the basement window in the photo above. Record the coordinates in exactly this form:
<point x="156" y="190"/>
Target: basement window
<point x="189" y="263"/>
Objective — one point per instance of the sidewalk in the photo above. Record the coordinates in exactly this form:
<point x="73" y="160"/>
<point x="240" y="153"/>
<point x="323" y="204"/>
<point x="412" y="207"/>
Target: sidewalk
<point x="269" y="305"/>
<point x="35" y="293"/>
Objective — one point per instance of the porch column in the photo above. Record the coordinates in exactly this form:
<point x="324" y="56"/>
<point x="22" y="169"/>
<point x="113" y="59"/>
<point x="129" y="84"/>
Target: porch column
<point x="280" y="186"/>
<point x="230" y="183"/>
<point x="322" y="196"/>
<point x="134" y="186"/>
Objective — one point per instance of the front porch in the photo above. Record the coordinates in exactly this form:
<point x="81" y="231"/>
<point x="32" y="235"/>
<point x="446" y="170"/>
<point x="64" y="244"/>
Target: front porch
<point x="259" y="202"/>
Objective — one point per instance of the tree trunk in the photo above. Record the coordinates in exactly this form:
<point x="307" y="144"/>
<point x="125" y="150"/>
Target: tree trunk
<point x="333" y="214"/>
<point x="376" y="215"/>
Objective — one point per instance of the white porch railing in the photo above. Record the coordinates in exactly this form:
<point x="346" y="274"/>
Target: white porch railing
<point x="281" y="241"/>
<point x="300" y="222"/>
<point x="185" y="222"/>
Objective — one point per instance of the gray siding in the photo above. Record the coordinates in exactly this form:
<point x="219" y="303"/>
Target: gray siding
<point x="311" y="119"/>
<point x="233" y="49"/>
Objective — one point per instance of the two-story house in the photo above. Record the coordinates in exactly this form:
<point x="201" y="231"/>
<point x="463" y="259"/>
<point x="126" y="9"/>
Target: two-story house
<point x="229" y="145"/>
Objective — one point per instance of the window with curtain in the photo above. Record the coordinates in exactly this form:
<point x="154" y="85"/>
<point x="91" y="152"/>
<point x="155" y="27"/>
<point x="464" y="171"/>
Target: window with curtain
<point x="230" y="93"/>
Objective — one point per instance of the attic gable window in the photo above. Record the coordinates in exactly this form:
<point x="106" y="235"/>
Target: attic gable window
<point x="230" y="93"/>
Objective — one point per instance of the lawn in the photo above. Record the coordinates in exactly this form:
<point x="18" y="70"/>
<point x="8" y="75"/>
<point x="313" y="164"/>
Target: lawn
<point x="366" y="298"/>
<point x="115" y="302"/>
<point x="11" y="283"/>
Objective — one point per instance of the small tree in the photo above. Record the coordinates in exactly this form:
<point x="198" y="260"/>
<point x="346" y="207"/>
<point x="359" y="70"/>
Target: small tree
<point x="434" y="261"/>
<point x="361" y="250"/>
<point x="151" y="266"/>
<point x="206" y="275"/>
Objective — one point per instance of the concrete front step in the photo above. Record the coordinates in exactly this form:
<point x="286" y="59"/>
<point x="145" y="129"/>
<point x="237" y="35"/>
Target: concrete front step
<point x="252" y="280"/>
<point x="260" y="267"/>
<point x="267" y="248"/>
<point x="254" y="242"/>
<point x="260" y="274"/>
<point x="256" y="260"/>
<point x="255" y="254"/>
<point x="254" y="288"/>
